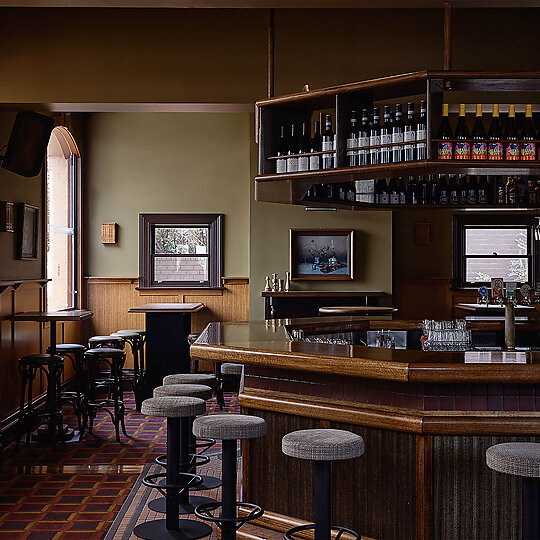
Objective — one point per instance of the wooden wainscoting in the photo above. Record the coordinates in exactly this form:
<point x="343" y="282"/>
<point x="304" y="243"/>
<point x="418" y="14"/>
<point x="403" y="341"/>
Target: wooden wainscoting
<point x="110" y="298"/>
<point x="429" y="298"/>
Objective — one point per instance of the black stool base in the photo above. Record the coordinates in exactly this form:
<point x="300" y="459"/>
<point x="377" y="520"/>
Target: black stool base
<point x="208" y="482"/>
<point x="289" y="535"/>
<point x="158" y="505"/>
<point x="155" y="530"/>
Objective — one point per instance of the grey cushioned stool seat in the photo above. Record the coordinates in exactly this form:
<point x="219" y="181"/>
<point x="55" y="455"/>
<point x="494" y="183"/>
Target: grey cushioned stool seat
<point x="229" y="426"/>
<point x="228" y="368"/>
<point x="200" y="391"/>
<point x="173" y="406"/>
<point x="322" y="444"/>
<point x="192" y="378"/>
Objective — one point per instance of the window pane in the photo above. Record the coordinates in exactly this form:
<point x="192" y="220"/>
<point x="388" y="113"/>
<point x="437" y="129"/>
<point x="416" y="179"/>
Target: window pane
<point x="192" y="240"/>
<point x="180" y="269"/>
<point x="490" y="241"/>
<point x="510" y="269"/>
<point x="59" y="253"/>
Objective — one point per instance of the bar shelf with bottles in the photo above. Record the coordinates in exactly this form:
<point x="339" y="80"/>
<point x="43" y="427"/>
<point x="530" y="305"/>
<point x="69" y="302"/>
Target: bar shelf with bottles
<point x="415" y="145"/>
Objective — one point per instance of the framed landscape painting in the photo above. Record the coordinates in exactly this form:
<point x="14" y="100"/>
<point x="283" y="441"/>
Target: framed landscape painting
<point x="321" y="254"/>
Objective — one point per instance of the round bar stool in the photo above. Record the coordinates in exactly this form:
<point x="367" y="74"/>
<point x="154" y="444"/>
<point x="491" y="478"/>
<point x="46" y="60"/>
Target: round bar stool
<point x="135" y="376"/>
<point x="229" y="428"/>
<point x="187" y="505"/>
<point x="177" y="410"/>
<point x="114" y="359"/>
<point x="111" y="342"/>
<point x="521" y="459"/>
<point x="322" y="446"/>
<point x="51" y="366"/>
<point x="74" y="352"/>
<point x="229" y="373"/>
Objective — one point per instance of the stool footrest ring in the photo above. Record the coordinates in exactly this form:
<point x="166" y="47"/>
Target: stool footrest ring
<point x="195" y="460"/>
<point x="204" y="511"/>
<point x="205" y="443"/>
<point x="289" y="535"/>
<point x="192" y="480"/>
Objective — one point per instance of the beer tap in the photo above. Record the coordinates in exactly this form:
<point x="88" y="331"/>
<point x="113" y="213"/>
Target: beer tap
<point x="484" y="296"/>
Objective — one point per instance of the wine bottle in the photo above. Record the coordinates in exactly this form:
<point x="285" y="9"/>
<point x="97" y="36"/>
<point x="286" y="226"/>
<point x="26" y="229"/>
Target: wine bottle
<point x="422" y="190"/>
<point x="384" y="196"/>
<point x="409" y="134"/>
<point x="363" y="139"/>
<point x="316" y="146"/>
<point x="397" y="135"/>
<point x="472" y="191"/>
<point x="463" y="189"/>
<point x="283" y="150"/>
<point x="421" y="132"/>
<point x="511" y="135"/>
<point x="434" y="191"/>
<point x="393" y="191"/>
<point x="462" y="145"/>
<point x="375" y="138"/>
<point x="386" y="136"/>
<point x="352" y="142"/>
<point x="304" y="147"/>
<point x="528" y="136"/>
<point x="453" y="189"/>
<point x="328" y="143"/>
<point x="350" y="191"/>
<point x="402" y="191"/>
<point x="478" y="134"/>
<point x="484" y="191"/>
<point x="444" y="192"/>
<point x="531" y="192"/>
<point x="512" y="190"/>
<point x="495" y="136"/>
<point x="445" y="135"/>
<point x="412" y="191"/>
<point x="292" y="162"/>
<point x="522" y="190"/>
<point x="501" y="190"/>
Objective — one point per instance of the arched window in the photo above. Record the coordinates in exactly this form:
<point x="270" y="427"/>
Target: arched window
<point x="63" y="166"/>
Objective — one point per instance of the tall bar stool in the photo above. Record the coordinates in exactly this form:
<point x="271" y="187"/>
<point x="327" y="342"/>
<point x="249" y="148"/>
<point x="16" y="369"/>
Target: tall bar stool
<point x="177" y="410"/>
<point x="521" y="459"/>
<point x="322" y="446"/>
<point x="187" y="502"/>
<point x="51" y="366"/>
<point x="229" y="428"/>
<point x="113" y="404"/>
<point x="74" y="352"/>
<point x="230" y="377"/>
<point x="110" y="342"/>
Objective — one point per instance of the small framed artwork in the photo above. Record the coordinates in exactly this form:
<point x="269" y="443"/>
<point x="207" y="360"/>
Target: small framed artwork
<point x="27" y="244"/>
<point x="321" y="254"/>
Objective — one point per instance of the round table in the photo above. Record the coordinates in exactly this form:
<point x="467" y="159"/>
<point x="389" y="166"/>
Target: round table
<point x="356" y="310"/>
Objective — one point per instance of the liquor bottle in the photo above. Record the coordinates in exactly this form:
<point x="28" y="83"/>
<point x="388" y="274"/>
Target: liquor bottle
<point x="281" y="164"/>
<point x="501" y="190"/>
<point x="409" y="134"/>
<point x="363" y="139"/>
<point x="386" y="136"/>
<point x="444" y="192"/>
<point x="412" y="191"/>
<point x="350" y="192"/>
<point x="462" y="145"/>
<point x="397" y="135"/>
<point x="537" y="191"/>
<point x="402" y="191"/>
<point x="423" y="190"/>
<point x="484" y="191"/>
<point x="328" y="143"/>
<point x="531" y="192"/>
<point x="512" y="190"/>
<point x="522" y="190"/>
<point x="528" y="136"/>
<point x="341" y="191"/>
<point x="316" y="146"/>
<point x="453" y="190"/>
<point x="511" y="135"/>
<point x="304" y="147"/>
<point x="378" y="190"/>
<point x="495" y="136"/>
<point x="292" y="162"/>
<point x="445" y="136"/>
<point x="434" y="192"/>
<point x="463" y="189"/>
<point x="478" y="134"/>
<point x="352" y="142"/>
<point x="375" y="138"/>
<point x="393" y="191"/>
<point x="421" y="132"/>
<point x="472" y="190"/>
<point x="384" y="196"/>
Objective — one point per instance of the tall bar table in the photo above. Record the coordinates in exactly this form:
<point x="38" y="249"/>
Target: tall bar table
<point x="167" y="350"/>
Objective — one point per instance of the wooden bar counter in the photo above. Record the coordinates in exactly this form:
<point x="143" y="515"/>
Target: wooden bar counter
<point x="427" y="419"/>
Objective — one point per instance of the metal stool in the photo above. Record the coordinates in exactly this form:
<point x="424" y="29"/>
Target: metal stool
<point x="229" y="373"/>
<point x="177" y="410"/>
<point x="229" y="428"/>
<point x="51" y="366"/>
<point x="322" y="446"/>
<point x="114" y="359"/>
<point x="74" y="352"/>
<point x="521" y="459"/>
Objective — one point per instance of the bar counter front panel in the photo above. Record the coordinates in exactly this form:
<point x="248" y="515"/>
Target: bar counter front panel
<point x="427" y="419"/>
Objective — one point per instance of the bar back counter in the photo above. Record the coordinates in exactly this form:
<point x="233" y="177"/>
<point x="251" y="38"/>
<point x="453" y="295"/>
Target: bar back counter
<point x="427" y="419"/>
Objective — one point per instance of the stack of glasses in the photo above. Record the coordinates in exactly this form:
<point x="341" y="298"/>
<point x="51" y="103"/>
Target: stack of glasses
<point x="446" y="335"/>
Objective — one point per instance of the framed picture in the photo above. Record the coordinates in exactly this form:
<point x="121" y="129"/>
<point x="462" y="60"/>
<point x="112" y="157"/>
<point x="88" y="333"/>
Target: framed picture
<point x="28" y="232"/>
<point x="321" y="254"/>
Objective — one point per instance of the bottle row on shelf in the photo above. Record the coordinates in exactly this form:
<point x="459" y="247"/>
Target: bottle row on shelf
<point x="398" y="140"/>
<point x="452" y="189"/>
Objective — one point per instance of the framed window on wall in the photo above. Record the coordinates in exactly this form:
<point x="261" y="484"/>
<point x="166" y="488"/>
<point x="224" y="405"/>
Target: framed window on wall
<point x="180" y="250"/>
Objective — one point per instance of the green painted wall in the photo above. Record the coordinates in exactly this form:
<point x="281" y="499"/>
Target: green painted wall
<point x="164" y="162"/>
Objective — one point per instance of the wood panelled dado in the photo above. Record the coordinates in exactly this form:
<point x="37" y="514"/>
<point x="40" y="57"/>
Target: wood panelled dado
<point x="423" y="298"/>
<point x="110" y="299"/>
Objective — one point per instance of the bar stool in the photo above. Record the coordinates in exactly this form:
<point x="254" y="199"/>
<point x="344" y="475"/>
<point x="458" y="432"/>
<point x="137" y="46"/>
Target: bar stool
<point x="188" y="505"/>
<point x="521" y="459"/>
<point x="51" y="366"/>
<point x="322" y="446"/>
<point x="229" y="373"/>
<point x="74" y="352"/>
<point x="114" y="359"/>
<point x="111" y="342"/>
<point x="229" y="428"/>
<point x="192" y="338"/>
<point x="177" y="410"/>
<point x="135" y="376"/>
